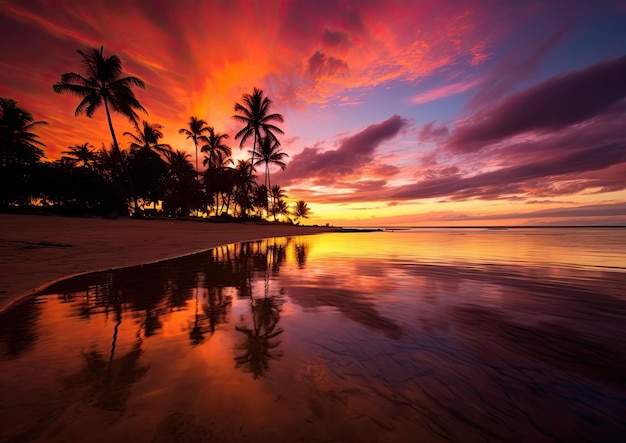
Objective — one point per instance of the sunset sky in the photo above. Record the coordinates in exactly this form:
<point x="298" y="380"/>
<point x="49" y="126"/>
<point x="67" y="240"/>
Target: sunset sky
<point x="396" y="112"/>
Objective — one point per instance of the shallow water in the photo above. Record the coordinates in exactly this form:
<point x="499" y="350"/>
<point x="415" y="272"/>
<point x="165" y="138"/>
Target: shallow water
<point x="419" y="335"/>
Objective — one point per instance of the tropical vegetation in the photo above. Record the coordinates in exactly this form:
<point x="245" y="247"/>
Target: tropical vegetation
<point x="143" y="175"/>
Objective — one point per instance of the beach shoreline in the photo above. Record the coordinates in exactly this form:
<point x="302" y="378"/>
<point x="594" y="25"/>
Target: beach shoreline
<point x="37" y="250"/>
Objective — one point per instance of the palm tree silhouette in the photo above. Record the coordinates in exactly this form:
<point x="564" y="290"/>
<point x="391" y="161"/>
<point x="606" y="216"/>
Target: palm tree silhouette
<point x="254" y="115"/>
<point x="179" y="163"/>
<point x="245" y="181"/>
<point x="217" y="178"/>
<point x="17" y="141"/>
<point x="148" y="137"/>
<point x="147" y="166"/>
<point x="80" y="153"/>
<point x="181" y="187"/>
<point x="270" y="154"/>
<point x="103" y="84"/>
<point x="301" y="210"/>
<point x="197" y="128"/>
<point x="278" y="206"/>
<point x="261" y="199"/>
<point x="219" y="153"/>
<point x="281" y="208"/>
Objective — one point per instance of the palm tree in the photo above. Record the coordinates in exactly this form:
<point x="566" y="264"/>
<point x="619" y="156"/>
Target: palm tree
<point x="254" y="115"/>
<point x="261" y="199"/>
<point x="148" y="137"/>
<point x="80" y="153"/>
<point x="17" y="141"/>
<point x="180" y="167"/>
<point x="181" y="188"/>
<point x="278" y="205"/>
<point x="197" y="128"/>
<point x="103" y="84"/>
<point x="20" y="154"/>
<point x="280" y="208"/>
<point x="301" y="210"/>
<point x="147" y="166"/>
<point x="219" y="153"/>
<point x="270" y="153"/>
<point x="217" y="177"/>
<point x="245" y="181"/>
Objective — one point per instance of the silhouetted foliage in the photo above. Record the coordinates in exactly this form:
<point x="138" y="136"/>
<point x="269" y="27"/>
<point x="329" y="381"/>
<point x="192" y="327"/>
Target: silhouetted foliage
<point x="182" y="190"/>
<point x="80" y="155"/>
<point x="20" y="152"/>
<point x="301" y="210"/>
<point x="147" y="168"/>
<point x="86" y="181"/>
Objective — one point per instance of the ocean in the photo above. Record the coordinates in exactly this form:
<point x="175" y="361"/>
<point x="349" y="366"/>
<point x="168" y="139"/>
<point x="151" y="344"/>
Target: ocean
<point x="407" y="334"/>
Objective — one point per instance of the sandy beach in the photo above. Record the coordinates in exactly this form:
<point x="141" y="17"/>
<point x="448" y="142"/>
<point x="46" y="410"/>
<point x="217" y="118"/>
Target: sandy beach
<point x="37" y="250"/>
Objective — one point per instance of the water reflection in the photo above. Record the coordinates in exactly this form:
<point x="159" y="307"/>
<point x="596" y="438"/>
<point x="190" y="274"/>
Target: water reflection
<point x="106" y="382"/>
<point x="17" y="337"/>
<point x="350" y="337"/>
<point x="259" y="345"/>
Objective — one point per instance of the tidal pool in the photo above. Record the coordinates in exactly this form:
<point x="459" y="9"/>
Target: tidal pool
<point x="457" y="335"/>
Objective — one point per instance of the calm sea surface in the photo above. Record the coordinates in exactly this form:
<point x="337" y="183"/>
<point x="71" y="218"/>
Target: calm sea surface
<point x="409" y="335"/>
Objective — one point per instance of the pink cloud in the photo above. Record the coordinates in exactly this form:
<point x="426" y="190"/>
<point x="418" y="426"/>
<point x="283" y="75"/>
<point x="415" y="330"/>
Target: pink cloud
<point x="444" y="91"/>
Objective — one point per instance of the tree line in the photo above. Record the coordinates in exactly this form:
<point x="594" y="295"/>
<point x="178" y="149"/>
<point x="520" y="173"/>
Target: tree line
<point x="150" y="176"/>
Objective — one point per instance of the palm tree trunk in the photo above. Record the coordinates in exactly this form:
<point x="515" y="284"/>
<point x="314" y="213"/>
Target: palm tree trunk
<point x="245" y="209"/>
<point x="253" y="152"/>
<point x="121" y="159"/>
<point x="195" y="142"/>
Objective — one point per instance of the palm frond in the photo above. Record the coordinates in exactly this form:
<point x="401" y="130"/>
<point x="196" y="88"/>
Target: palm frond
<point x="271" y="117"/>
<point x="89" y="104"/>
<point x="128" y="82"/>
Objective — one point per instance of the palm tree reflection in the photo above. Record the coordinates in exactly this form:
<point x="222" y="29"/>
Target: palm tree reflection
<point x="197" y="328"/>
<point x="108" y="381"/>
<point x="301" y="251"/>
<point x="216" y="306"/>
<point x="259" y="344"/>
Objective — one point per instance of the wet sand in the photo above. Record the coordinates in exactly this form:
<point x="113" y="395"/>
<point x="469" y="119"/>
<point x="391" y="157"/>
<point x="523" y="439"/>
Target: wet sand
<point x="36" y="250"/>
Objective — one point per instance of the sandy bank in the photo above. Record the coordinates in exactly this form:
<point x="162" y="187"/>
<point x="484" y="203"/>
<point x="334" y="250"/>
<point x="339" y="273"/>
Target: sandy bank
<point x="35" y="250"/>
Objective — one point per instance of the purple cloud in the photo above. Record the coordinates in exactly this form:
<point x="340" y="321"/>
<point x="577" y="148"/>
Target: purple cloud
<point x="594" y="161"/>
<point x="510" y="180"/>
<point x="597" y="210"/>
<point x="430" y="132"/>
<point x="353" y="153"/>
<point x="554" y="104"/>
